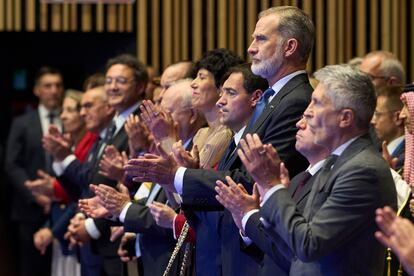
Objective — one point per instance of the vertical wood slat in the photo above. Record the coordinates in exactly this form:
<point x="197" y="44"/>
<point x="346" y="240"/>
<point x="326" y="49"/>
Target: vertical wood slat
<point x="374" y="25"/>
<point x="385" y="25"/>
<point x="56" y="18"/>
<point x="307" y="8"/>
<point x="185" y="30"/>
<point x="222" y="24"/>
<point x="100" y="26"/>
<point x="9" y="15"/>
<point x="349" y="38"/>
<point x="211" y="33"/>
<point x="232" y="26"/>
<point x="403" y="30"/>
<point x="30" y="15"/>
<point x="251" y="19"/>
<point x="86" y="18"/>
<point x="73" y="17"/>
<point x="65" y="17"/>
<point x="17" y="15"/>
<point x="167" y="32"/>
<point x="111" y="18"/>
<point x="241" y="32"/>
<point x="264" y="4"/>
<point x="121" y="18"/>
<point x="2" y="15"/>
<point x="339" y="33"/>
<point x="361" y="28"/>
<point x="155" y="34"/>
<point x="395" y="31"/>
<point x="197" y="29"/>
<point x="331" y="32"/>
<point x="276" y="3"/>
<point x="129" y="17"/>
<point x="43" y="17"/>
<point x="142" y="32"/>
<point x="176" y="31"/>
<point x="319" y="43"/>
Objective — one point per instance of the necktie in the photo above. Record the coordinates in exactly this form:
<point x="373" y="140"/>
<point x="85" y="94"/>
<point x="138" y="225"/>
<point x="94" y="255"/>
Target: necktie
<point x="110" y="132"/>
<point x="304" y="179"/>
<point x="228" y="153"/>
<point x="260" y="106"/>
<point x="51" y="116"/>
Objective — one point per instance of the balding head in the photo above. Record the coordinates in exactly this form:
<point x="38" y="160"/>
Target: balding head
<point x="383" y="68"/>
<point x="174" y="72"/>
<point x="177" y="101"/>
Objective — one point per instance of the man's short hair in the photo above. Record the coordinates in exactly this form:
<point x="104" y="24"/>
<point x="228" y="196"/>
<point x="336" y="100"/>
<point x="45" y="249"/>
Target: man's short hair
<point x="251" y="81"/>
<point x="140" y="70"/>
<point x="294" y="23"/>
<point x="46" y="70"/>
<point x="390" y="65"/>
<point x="349" y="88"/>
<point x="217" y="62"/>
<point x="393" y="97"/>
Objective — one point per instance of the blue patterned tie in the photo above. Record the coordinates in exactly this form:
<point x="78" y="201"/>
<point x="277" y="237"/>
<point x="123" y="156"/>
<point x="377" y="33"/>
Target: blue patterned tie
<point x="261" y="104"/>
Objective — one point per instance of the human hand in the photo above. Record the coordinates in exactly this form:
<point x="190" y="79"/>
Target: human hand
<point x="138" y="134"/>
<point x="184" y="158"/>
<point x="111" y="199"/>
<point x="41" y="186"/>
<point x="45" y="202"/>
<point x="116" y="232"/>
<point x="123" y="254"/>
<point x="42" y="238"/>
<point x="261" y="161"/>
<point x="162" y="214"/>
<point x="236" y="199"/>
<point x="76" y="233"/>
<point x="112" y="163"/>
<point x="93" y="207"/>
<point x="56" y="144"/>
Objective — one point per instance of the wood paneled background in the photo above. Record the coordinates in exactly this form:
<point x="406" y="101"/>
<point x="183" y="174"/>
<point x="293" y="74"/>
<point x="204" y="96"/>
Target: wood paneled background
<point x="173" y="30"/>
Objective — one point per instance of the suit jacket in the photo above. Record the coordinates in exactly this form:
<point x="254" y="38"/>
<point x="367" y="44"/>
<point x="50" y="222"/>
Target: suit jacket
<point x="157" y="243"/>
<point x="335" y="233"/>
<point x="24" y="156"/>
<point x="278" y="255"/>
<point x="276" y="125"/>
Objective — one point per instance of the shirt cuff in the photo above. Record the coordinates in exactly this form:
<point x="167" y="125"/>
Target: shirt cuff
<point x="178" y="180"/>
<point x="246" y="218"/>
<point x="124" y="211"/>
<point x="92" y="229"/>
<point x="174" y="234"/>
<point x="247" y="241"/>
<point x="270" y="192"/>
<point x="60" y="167"/>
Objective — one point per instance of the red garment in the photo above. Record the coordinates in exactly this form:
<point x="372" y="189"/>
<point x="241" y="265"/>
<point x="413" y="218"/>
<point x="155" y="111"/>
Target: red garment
<point x="178" y="226"/>
<point x="81" y="152"/>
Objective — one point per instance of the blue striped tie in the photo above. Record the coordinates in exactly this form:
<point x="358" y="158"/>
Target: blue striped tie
<point x="261" y="104"/>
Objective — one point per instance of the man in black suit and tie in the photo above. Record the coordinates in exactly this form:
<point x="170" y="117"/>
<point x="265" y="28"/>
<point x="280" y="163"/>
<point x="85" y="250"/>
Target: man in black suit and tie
<point x="24" y="157"/>
<point x="339" y="216"/>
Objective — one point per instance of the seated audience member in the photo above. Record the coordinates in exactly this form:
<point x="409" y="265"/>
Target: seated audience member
<point x="389" y="127"/>
<point x="338" y="219"/>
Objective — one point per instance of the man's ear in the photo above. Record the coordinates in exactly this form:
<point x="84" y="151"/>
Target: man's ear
<point x="290" y="47"/>
<point x="140" y="88"/>
<point x="255" y="97"/>
<point x="36" y="91"/>
<point x="396" y="118"/>
<point x="346" y="117"/>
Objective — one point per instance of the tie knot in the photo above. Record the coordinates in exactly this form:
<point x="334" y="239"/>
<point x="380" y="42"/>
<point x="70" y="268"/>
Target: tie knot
<point x="51" y="116"/>
<point x="267" y="94"/>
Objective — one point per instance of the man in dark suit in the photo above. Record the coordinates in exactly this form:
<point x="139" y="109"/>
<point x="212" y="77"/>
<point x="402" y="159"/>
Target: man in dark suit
<point x="338" y="219"/>
<point x="388" y="126"/>
<point x="24" y="156"/>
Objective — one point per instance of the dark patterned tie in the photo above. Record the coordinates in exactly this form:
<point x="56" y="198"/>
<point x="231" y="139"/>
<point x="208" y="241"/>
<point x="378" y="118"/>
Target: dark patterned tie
<point x="305" y="176"/>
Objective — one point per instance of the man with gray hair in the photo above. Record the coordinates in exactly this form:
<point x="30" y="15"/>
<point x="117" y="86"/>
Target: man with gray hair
<point x="383" y="68"/>
<point x="335" y="233"/>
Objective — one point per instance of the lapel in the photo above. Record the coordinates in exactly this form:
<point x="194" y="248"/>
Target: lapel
<point x="289" y="86"/>
<point x="304" y="191"/>
<point x="36" y="126"/>
<point x="322" y="180"/>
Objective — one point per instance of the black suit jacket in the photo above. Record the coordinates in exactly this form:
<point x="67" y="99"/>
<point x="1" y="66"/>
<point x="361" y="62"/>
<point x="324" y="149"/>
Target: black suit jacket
<point x="218" y="241"/>
<point x="24" y="156"/>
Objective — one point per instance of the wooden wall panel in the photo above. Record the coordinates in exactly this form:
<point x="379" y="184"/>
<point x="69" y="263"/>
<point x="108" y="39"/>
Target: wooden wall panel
<point x="211" y="24"/>
<point x="18" y="15"/>
<point x="9" y="15"/>
<point x="2" y="15"/>
<point x="30" y="15"/>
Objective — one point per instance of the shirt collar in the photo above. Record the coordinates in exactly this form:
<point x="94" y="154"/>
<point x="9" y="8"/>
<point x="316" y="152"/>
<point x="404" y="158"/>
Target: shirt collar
<point x="339" y="150"/>
<point x="121" y="118"/>
<point x="239" y="135"/>
<point x="282" y="82"/>
<point x="313" y="169"/>
<point x="394" y="144"/>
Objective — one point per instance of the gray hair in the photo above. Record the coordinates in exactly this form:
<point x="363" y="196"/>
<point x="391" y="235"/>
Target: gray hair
<point x="393" y="68"/>
<point x="294" y="23"/>
<point x="349" y="88"/>
<point x="186" y="92"/>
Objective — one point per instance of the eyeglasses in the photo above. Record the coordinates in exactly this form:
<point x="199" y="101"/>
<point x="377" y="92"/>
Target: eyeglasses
<point x="373" y="77"/>
<point x="379" y="114"/>
<point x="118" y="80"/>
